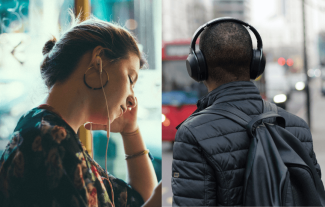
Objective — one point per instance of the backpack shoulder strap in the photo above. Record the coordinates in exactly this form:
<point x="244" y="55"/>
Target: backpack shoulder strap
<point x="230" y="112"/>
<point x="241" y="118"/>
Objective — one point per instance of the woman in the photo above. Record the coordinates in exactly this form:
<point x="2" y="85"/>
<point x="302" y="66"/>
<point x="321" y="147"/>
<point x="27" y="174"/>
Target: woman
<point x="90" y="72"/>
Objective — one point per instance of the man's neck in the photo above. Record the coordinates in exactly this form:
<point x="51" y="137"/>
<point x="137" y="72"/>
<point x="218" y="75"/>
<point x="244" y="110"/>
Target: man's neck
<point x="211" y="84"/>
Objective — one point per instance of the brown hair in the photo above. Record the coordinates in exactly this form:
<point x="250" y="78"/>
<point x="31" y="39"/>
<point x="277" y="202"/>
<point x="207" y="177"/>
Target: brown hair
<point x="62" y="56"/>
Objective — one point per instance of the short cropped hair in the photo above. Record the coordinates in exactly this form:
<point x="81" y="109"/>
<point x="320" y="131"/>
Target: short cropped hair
<point x="227" y="48"/>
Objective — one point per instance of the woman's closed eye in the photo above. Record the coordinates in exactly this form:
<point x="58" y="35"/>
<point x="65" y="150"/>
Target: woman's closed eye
<point x="131" y="81"/>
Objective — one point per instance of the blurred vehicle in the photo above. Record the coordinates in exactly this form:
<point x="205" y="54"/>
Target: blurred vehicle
<point x="179" y="92"/>
<point x="277" y="84"/>
<point x="297" y="81"/>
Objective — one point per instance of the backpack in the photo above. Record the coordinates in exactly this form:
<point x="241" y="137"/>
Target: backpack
<point x="279" y="171"/>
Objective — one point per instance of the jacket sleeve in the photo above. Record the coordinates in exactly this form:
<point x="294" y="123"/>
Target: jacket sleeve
<point x="193" y="179"/>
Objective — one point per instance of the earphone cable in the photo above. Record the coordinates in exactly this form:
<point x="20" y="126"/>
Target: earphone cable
<point x="108" y="127"/>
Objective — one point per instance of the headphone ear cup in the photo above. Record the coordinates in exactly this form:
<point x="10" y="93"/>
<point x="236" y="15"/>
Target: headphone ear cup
<point x="262" y="65"/>
<point x="203" y="74"/>
<point x="257" y="65"/>
<point x="192" y="66"/>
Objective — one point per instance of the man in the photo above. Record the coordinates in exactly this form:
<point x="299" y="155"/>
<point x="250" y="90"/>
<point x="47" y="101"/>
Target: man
<point x="209" y="154"/>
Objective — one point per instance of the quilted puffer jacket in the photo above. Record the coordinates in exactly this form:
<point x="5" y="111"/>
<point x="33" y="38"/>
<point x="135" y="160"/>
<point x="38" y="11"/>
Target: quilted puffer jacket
<point x="209" y="154"/>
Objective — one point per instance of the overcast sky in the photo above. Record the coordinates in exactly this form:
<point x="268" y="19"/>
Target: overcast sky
<point x="262" y="9"/>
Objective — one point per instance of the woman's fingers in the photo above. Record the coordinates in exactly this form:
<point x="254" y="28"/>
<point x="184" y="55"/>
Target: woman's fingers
<point x="91" y="126"/>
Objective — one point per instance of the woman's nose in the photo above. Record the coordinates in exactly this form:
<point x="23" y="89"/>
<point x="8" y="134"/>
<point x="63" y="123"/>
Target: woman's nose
<point x="131" y="102"/>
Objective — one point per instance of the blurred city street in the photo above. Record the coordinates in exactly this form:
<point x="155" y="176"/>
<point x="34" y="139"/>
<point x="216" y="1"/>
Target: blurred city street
<point x="296" y="105"/>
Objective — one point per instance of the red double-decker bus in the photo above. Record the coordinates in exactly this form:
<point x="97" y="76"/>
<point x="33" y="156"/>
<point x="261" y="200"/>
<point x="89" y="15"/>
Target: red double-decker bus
<point x="179" y="92"/>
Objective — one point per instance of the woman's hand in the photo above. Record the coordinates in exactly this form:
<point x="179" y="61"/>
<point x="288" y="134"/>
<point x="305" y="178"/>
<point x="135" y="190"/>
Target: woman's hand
<point x="126" y="124"/>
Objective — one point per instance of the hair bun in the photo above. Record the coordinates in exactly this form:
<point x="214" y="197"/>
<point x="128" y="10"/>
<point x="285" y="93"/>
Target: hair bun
<point x="48" y="46"/>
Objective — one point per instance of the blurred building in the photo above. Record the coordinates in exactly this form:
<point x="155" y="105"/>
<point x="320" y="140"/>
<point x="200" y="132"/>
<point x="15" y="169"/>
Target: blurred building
<point x="182" y="17"/>
<point x="239" y="9"/>
<point x="282" y="30"/>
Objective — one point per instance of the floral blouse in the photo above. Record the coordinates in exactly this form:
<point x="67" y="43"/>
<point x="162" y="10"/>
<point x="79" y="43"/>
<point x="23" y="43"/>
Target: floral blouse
<point x="45" y="164"/>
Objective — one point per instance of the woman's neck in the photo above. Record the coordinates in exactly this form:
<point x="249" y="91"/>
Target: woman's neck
<point x="69" y="104"/>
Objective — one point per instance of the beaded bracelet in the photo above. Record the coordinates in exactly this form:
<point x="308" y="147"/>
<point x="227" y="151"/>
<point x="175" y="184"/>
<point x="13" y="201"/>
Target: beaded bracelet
<point x="139" y="154"/>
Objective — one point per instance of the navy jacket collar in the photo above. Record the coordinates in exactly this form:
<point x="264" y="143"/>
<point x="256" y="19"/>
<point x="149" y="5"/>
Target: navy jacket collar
<point x="232" y="91"/>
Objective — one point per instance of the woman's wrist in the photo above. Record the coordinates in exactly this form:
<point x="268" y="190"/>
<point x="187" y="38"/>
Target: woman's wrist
<point x="130" y="133"/>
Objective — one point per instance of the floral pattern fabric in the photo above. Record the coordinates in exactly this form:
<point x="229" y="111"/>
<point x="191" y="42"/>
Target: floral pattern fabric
<point x="45" y="164"/>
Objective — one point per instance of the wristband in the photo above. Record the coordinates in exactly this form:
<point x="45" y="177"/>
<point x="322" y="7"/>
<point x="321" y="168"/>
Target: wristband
<point x="131" y="133"/>
<point x="139" y="154"/>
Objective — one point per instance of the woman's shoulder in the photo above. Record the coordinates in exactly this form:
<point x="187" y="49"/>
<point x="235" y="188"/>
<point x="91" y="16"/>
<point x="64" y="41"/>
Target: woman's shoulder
<point x="37" y="130"/>
<point x="41" y="155"/>
<point x="40" y="119"/>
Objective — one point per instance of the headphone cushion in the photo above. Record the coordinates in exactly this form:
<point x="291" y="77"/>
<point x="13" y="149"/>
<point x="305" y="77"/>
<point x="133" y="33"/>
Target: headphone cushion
<point x="255" y="64"/>
<point x="203" y="74"/>
<point x="262" y="65"/>
<point x="192" y="66"/>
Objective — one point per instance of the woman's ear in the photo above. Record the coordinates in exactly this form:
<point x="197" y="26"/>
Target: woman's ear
<point x="93" y="73"/>
<point x="95" y="55"/>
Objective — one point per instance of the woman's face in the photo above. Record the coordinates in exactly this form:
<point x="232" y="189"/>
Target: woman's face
<point x="119" y="89"/>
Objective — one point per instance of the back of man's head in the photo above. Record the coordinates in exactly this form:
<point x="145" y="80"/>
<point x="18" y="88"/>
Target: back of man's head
<point x="227" y="48"/>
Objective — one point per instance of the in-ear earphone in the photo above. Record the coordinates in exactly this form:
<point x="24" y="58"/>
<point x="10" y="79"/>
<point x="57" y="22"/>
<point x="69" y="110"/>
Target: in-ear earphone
<point x="99" y="63"/>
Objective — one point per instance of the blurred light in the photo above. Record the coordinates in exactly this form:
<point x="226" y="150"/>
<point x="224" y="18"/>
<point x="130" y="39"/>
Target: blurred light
<point x="290" y="62"/>
<point x="317" y="72"/>
<point x="163" y="117"/>
<point x="311" y="73"/>
<point x="300" y="86"/>
<point x="166" y="123"/>
<point x="131" y="24"/>
<point x="281" y="61"/>
<point x="280" y="98"/>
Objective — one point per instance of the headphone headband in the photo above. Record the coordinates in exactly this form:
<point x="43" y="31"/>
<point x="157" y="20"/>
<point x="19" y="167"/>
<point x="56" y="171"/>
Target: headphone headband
<point x="220" y="20"/>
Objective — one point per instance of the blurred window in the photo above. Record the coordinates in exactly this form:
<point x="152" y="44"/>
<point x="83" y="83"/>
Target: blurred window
<point x="25" y="26"/>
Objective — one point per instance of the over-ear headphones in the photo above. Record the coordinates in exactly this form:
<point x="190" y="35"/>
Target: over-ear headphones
<point x="196" y="64"/>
